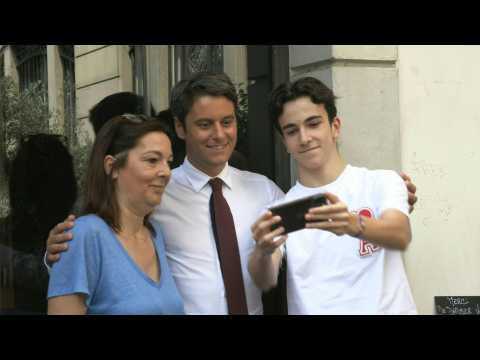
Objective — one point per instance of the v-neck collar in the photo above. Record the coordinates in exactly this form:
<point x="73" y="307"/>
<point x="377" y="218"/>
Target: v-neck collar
<point x="135" y="265"/>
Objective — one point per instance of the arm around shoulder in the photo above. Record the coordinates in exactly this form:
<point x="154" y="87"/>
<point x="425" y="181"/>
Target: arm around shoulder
<point x="391" y="230"/>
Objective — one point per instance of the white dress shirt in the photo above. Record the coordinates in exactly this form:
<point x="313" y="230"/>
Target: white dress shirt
<point x="184" y="216"/>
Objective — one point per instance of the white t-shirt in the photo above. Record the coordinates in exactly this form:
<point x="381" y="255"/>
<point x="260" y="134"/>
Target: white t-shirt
<point x="330" y="274"/>
<point x="184" y="217"/>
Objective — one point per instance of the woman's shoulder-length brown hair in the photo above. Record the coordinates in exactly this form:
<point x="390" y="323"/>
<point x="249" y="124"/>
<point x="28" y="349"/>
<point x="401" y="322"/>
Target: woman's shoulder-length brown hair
<point x="117" y="137"/>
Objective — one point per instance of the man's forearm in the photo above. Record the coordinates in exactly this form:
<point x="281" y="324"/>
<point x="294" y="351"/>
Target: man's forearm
<point x="264" y="268"/>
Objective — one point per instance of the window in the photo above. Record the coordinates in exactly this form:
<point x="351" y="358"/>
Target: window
<point x="190" y="59"/>
<point x="32" y="65"/>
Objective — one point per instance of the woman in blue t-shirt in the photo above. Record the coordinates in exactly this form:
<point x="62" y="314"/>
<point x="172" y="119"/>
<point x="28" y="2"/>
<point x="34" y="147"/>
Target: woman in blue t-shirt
<point x="116" y="263"/>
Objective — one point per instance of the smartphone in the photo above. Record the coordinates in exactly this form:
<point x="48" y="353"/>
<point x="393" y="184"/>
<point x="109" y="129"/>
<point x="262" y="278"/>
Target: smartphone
<point x="293" y="212"/>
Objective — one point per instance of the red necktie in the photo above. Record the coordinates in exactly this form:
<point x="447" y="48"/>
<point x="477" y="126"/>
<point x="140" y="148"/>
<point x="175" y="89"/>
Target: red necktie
<point x="227" y="247"/>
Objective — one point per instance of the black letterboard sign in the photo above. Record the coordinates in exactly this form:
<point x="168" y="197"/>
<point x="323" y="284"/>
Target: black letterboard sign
<point x="457" y="305"/>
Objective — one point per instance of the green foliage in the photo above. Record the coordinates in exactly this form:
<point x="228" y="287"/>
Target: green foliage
<point x="26" y="113"/>
<point x="22" y="114"/>
<point x="80" y="151"/>
<point x="80" y="142"/>
<point x="242" y="121"/>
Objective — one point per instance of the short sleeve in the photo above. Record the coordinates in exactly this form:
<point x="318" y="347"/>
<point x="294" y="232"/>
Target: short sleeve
<point x="391" y="192"/>
<point x="77" y="271"/>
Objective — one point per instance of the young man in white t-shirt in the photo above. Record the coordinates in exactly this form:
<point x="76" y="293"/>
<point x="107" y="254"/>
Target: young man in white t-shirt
<point x="348" y="259"/>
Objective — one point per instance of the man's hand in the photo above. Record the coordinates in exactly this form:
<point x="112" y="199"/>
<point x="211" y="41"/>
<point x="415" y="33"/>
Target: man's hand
<point x="57" y="239"/>
<point x="263" y="235"/>
<point x="265" y="260"/>
<point x="412" y="189"/>
<point x="333" y="217"/>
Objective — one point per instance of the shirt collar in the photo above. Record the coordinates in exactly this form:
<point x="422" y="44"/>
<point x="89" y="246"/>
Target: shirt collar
<point x="198" y="179"/>
<point x="329" y="186"/>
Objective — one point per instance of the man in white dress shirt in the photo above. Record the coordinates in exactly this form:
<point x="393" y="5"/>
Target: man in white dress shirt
<point x="204" y="108"/>
<point x="205" y="117"/>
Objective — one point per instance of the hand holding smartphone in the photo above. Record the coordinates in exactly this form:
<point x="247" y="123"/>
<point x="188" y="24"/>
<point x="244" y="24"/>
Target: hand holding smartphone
<point x="293" y="212"/>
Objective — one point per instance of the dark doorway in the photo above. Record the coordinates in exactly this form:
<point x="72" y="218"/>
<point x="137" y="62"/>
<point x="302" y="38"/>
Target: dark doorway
<point x="267" y="68"/>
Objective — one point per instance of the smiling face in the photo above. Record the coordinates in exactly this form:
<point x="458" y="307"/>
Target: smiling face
<point x="140" y="183"/>
<point x="210" y="133"/>
<point x="308" y="135"/>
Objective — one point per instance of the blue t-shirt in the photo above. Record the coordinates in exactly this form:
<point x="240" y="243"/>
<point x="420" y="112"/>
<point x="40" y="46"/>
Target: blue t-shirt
<point x="97" y="265"/>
